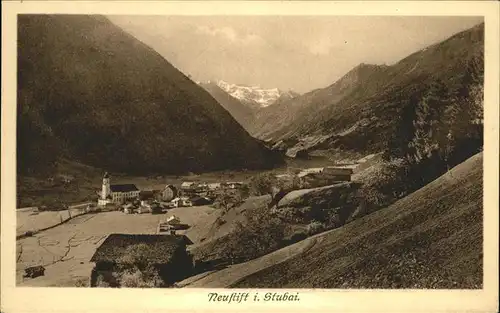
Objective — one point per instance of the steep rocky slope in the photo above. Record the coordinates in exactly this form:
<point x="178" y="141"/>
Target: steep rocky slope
<point x="243" y="113"/>
<point x="91" y="92"/>
<point x="360" y="111"/>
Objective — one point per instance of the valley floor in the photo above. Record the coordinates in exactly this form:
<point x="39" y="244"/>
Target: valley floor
<point x="65" y="250"/>
<point x="429" y="239"/>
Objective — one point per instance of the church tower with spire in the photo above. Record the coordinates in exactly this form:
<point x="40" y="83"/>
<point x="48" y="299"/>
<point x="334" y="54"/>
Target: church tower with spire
<point x="106" y="189"/>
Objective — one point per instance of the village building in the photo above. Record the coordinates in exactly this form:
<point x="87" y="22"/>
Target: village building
<point x="309" y="171"/>
<point x="214" y="186"/>
<point x="181" y="202"/>
<point x="187" y="188"/>
<point x="335" y="173"/>
<point x="156" y="208"/>
<point x="323" y="176"/>
<point x="188" y="185"/>
<point x="199" y="200"/>
<point x="234" y="185"/>
<point x="166" y="254"/>
<point x="173" y="220"/>
<point x="147" y="195"/>
<point x="116" y="193"/>
<point x="168" y="193"/>
<point x="128" y="208"/>
<point x="201" y="188"/>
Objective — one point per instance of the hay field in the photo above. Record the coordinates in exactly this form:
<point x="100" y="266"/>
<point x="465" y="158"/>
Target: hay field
<point x="65" y="250"/>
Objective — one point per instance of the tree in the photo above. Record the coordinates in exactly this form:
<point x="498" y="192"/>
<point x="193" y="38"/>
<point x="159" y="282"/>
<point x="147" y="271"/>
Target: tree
<point x="429" y="134"/>
<point x="259" y="235"/>
<point x="228" y="199"/>
<point x="263" y="184"/>
<point x="398" y="144"/>
<point x="464" y="136"/>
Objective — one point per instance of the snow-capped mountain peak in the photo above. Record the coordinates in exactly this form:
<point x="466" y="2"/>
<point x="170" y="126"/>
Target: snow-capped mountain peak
<point x="264" y="97"/>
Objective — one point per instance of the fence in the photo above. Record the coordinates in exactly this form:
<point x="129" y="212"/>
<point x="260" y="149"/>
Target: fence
<point x="55" y="218"/>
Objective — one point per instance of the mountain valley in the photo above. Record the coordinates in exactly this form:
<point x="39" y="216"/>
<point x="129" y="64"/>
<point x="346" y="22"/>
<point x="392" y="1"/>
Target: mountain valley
<point x="374" y="181"/>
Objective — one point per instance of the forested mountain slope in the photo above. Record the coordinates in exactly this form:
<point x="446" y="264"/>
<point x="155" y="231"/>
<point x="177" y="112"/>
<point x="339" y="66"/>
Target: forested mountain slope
<point x="90" y="92"/>
<point x="362" y="111"/>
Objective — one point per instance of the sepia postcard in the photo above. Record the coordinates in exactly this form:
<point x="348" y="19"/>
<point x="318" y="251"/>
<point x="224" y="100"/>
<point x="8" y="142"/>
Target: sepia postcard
<point x="250" y="156"/>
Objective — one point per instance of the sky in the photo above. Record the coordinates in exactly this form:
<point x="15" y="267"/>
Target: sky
<point x="300" y="53"/>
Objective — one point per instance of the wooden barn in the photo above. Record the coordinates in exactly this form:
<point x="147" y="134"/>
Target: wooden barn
<point x="335" y="173"/>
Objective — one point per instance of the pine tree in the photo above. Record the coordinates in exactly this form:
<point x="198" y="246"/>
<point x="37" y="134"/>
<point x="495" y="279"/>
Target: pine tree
<point x="398" y="144"/>
<point x="461" y="116"/>
<point x="428" y="137"/>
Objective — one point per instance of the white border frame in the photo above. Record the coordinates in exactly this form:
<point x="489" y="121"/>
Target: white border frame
<point x="23" y="299"/>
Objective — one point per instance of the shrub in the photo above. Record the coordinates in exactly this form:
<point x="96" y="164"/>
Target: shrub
<point x="263" y="184"/>
<point x="82" y="282"/>
<point x="227" y="200"/>
<point x="315" y="227"/>
<point x="386" y="183"/>
<point x="220" y="221"/>
<point x="260" y="235"/>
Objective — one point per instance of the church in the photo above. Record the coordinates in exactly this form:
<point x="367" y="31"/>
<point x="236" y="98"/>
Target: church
<point x="116" y="193"/>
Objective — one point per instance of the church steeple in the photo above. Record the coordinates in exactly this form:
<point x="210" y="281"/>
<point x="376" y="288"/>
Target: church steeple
<point x="106" y="189"/>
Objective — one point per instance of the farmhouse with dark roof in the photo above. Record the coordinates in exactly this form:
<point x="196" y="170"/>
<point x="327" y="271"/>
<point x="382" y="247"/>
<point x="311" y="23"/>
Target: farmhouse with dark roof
<point x="165" y="254"/>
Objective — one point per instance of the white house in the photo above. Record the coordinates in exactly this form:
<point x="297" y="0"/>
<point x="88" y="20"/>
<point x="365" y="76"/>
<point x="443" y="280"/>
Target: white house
<point x="173" y="220"/>
<point x="234" y="184"/>
<point x="128" y="209"/>
<point x="214" y="186"/>
<point x="181" y="202"/>
<point x="187" y="184"/>
<point x="308" y="171"/>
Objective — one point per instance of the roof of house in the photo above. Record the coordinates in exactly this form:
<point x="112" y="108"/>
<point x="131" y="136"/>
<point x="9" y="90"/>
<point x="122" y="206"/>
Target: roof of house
<point x="283" y="175"/>
<point x="339" y="169"/>
<point x="234" y="182"/>
<point x="303" y="174"/>
<point x="309" y="171"/>
<point x="123" y="188"/>
<point x="146" y="194"/>
<point x="162" y="247"/>
<point x="199" y="198"/>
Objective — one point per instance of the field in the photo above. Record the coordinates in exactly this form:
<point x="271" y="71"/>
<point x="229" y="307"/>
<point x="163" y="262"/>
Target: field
<point x="65" y="250"/>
